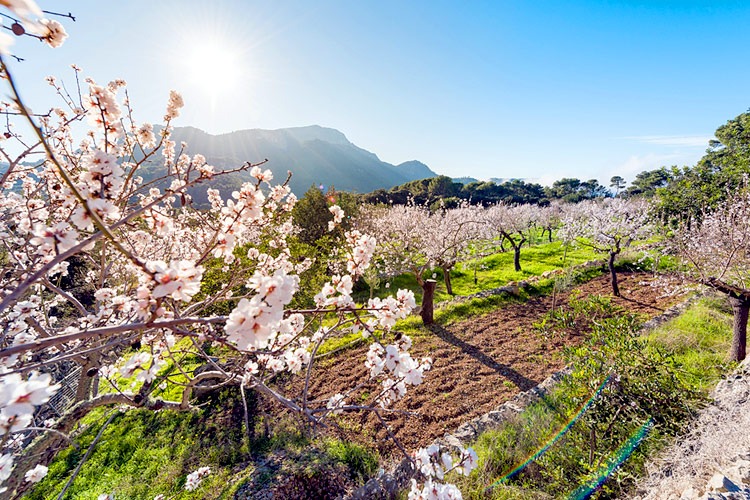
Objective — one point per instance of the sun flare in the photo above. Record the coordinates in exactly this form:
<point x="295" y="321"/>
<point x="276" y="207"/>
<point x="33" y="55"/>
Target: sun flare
<point x="214" y="68"/>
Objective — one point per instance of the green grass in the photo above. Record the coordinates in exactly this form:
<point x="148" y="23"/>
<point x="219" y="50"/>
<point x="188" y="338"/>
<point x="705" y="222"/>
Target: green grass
<point x="699" y="340"/>
<point x="493" y="271"/>
<point x="459" y="311"/>
<point x="184" y="353"/>
<point x="695" y="343"/>
<point x="335" y="343"/>
<point x="143" y="453"/>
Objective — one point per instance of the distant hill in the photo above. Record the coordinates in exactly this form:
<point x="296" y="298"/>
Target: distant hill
<point x="465" y="180"/>
<point x="315" y="155"/>
<point x="503" y="180"/>
<point x="496" y="180"/>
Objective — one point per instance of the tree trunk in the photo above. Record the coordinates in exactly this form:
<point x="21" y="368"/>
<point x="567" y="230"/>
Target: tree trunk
<point x="447" y="278"/>
<point x="741" y="307"/>
<point x="89" y="371"/>
<point x="613" y="274"/>
<point x="549" y="235"/>
<point x="428" y="301"/>
<point x="517" y="258"/>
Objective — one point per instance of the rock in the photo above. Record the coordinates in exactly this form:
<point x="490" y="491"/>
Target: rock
<point x="739" y="472"/>
<point x="690" y="494"/>
<point x="721" y="484"/>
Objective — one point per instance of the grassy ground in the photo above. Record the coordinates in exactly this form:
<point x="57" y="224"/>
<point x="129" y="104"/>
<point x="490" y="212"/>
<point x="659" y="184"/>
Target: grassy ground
<point x="699" y="340"/>
<point x="142" y="453"/>
<point x="493" y="271"/>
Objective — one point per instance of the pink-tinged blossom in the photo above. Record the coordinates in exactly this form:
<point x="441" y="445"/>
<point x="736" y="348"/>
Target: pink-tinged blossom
<point x="336" y="293"/>
<point x="107" y="371"/>
<point x="251" y="324"/>
<point x="434" y="464"/>
<point x="14" y="423"/>
<point x="25" y="9"/>
<point x="105" y="209"/>
<point x="276" y="290"/>
<point x="469" y="461"/>
<point x="261" y="175"/>
<point x="149" y="374"/>
<point x="36" y="474"/>
<point x="338" y="216"/>
<point x="179" y="280"/>
<point x="18" y="396"/>
<point x="55" y="239"/>
<point x="145" y="135"/>
<point x="375" y="362"/>
<point x="193" y="480"/>
<point x="168" y="152"/>
<point x="336" y="403"/>
<point x="6" y="465"/>
<point x="206" y="170"/>
<point x="362" y="248"/>
<point x="52" y="32"/>
<point x="276" y="365"/>
<point x="174" y="105"/>
<point x="389" y="310"/>
<point x="136" y="362"/>
<point x="392" y="391"/>
<point x="102" y="108"/>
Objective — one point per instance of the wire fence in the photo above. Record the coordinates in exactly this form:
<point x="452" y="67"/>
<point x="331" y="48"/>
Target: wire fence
<point x="64" y="398"/>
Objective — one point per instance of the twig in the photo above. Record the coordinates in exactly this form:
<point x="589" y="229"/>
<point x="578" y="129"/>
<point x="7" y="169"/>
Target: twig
<point x="46" y="429"/>
<point x="68" y="15"/>
<point x="86" y="456"/>
<point x="247" y="417"/>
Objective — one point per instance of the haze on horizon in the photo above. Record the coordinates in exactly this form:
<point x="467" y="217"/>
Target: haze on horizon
<point x="494" y="89"/>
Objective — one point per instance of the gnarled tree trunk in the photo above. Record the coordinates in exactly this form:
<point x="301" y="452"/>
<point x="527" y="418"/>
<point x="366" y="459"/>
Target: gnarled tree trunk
<point x="447" y="279"/>
<point x="741" y="307"/>
<point x="739" y="298"/>
<point x="517" y="258"/>
<point x="428" y="302"/>
<point x="613" y="274"/>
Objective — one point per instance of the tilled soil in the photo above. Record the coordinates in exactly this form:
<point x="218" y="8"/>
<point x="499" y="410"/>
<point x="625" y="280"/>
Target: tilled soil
<point x="478" y="364"/>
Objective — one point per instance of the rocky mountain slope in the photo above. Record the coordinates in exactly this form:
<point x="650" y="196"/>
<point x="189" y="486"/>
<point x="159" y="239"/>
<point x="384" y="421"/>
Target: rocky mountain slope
<point x="315" y="155"/>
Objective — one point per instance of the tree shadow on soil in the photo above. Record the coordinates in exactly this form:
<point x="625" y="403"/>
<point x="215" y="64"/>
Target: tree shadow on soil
<point x="643" y="304"/>
<point x="523" y="383"/>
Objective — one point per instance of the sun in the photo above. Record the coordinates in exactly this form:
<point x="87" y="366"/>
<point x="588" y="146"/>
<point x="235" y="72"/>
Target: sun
<point x="215" y="67"/>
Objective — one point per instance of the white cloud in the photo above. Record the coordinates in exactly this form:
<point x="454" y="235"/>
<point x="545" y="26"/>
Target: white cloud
<point x="691" y="141"/>
<point x="636" y="164"/>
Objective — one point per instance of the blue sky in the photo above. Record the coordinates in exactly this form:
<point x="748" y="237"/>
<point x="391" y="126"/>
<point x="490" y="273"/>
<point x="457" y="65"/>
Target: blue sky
<point x="531" y="89"/>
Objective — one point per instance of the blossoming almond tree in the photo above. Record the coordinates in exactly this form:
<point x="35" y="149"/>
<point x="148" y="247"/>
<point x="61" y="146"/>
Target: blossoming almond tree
<point x="413" y="239"/>
<point x="607" y="226"/>
<point x="512" y="223"/>
<point x="718" y="253"/>
<point x="447" y="234"/>
<point x="82" y="202"/>
<point x="398" y="230"/>
<point x="549" y="217"/>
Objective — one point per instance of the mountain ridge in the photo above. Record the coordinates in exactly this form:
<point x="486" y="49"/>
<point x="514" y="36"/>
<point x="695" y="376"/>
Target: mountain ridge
<point x="314" y="154"/>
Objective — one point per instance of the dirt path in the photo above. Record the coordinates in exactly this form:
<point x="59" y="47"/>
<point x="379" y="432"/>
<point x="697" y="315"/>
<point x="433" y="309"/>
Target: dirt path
<point x="477" y="365"/>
